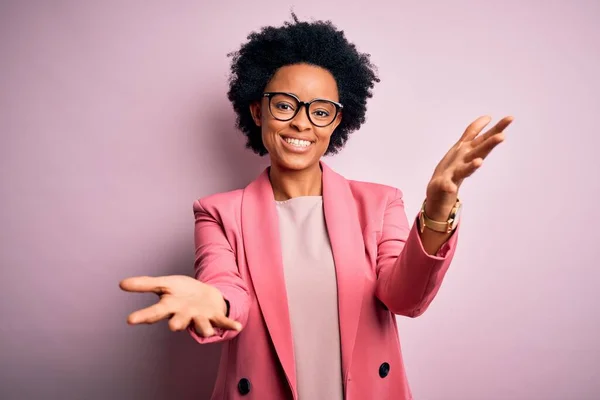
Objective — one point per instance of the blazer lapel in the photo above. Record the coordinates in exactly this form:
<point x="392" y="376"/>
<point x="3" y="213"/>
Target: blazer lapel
<point x="260" y="230"/>
<point x="347" y="244"/>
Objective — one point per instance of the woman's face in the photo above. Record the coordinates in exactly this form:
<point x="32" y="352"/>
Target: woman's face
<point x="297" y="144"/>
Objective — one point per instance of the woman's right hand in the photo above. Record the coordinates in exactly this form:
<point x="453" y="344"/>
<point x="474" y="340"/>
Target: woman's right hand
<point x="184" y="301"/>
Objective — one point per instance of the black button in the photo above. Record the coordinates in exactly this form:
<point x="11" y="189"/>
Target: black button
<point x="384" y="370"/>
<point x="244" y="386"/>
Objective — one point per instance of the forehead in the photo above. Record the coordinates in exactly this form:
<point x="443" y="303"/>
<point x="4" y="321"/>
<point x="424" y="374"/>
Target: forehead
<point x="305" y="81"/>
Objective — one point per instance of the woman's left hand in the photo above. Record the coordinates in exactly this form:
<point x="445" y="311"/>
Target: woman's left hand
<point x="463" y="159"/>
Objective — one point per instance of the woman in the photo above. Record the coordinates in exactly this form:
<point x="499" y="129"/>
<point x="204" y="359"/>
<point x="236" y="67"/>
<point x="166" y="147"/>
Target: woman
<point x="301" y="273"/>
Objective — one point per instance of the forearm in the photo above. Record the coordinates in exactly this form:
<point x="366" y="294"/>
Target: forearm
<point x="408" y="283"/>
<point x="408" y="274"/>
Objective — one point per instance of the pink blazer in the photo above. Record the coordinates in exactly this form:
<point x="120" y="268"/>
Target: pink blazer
<point x="381" y="268"/>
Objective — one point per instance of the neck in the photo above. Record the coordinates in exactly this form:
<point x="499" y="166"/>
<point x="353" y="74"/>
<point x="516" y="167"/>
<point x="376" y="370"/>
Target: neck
<point x="288" y="184"/>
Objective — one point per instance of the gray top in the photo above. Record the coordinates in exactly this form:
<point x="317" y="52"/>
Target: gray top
<point x="310" y="279"/>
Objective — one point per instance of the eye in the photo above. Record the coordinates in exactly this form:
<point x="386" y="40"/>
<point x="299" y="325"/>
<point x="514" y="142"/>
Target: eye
<point x="284" y="106"/>
<point x="321" y="113"/>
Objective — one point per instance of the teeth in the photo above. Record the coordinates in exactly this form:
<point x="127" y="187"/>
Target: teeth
<point x="298" y="142"/>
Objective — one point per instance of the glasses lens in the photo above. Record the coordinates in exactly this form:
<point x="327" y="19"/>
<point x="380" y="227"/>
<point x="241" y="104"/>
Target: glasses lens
<point x="283" y="107"/>
<point x="322" y="113"/>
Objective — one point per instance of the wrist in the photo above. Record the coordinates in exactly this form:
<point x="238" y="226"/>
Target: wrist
<point x="438" y="212"/>
<point x="226" y="307"/>
<point x="439" y="218"/>
<point x="220" y="299"/>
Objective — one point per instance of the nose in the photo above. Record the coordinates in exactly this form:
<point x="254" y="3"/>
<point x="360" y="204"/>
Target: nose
<point x="301" y="121"/>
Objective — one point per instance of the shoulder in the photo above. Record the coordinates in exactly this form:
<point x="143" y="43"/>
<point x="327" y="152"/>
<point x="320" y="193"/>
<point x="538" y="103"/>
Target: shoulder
<point x="220" y="203"/>
<point x="374" y="201"/>
<point x="374" y="193"/>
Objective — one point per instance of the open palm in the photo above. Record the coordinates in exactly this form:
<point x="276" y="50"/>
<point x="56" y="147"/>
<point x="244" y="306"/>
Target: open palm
<point x="463" y="159"/>
<point x="184" y="301"/>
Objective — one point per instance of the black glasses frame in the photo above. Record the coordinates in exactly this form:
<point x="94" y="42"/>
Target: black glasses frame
<point x="338" y="107"/>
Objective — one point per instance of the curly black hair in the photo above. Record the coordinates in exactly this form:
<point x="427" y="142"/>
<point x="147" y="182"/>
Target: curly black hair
<point x="317" y="43"/>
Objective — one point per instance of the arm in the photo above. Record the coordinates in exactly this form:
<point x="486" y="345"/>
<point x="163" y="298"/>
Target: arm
<point x="408" y="278"/>
<point x="215" y="264"/>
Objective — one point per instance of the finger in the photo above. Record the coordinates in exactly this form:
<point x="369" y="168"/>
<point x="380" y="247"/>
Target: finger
<point x="150" y="315"/>
<point x="203" y="327"/>
<point x="143" y="284"/>
<point x="474" y="128"/>
<point x="467" y="169"/>
<point x="226" y="323"/>
<point x="485" y="148"/>
<point x="496" y="129"/>
<point x="179" y="322"/>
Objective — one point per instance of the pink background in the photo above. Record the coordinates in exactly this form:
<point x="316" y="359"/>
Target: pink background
<point x="114" y="118"/>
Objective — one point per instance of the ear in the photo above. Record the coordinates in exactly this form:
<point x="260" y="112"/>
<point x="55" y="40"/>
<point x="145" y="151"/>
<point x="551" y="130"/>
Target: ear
<point x="256" y="111"/>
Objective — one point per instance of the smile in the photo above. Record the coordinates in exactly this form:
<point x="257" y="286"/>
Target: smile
<point x="295" y="145"/>
<point x="297" y="142"/>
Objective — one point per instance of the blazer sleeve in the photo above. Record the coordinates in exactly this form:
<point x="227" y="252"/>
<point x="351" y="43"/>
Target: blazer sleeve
<point x="408" y="278"/>
<point x="215" y="264"/>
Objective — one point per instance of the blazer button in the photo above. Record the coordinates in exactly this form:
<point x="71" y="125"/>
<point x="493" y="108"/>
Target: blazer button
<point x="384" y="370"/>
<point x="244" y="386"/>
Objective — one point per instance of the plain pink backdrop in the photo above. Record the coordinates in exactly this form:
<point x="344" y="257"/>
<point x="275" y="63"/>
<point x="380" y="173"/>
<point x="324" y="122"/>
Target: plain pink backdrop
<point x="114" y="118"/>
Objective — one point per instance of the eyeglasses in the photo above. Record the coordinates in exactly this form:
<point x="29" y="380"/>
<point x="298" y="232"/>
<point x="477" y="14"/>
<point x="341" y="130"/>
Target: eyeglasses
<point x="285" y="106"/>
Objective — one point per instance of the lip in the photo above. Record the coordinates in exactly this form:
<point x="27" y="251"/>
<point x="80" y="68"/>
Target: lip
<point x="296" y="137"/>
<point x="296" y="149"/>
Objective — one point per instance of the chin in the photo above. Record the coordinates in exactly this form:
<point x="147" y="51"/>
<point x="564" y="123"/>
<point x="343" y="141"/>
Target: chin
<point x="297" y="165"/>
<point x="295" y="162"/>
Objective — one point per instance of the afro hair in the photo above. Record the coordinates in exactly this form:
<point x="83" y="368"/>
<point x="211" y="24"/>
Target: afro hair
<point x="317" y="43"/>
